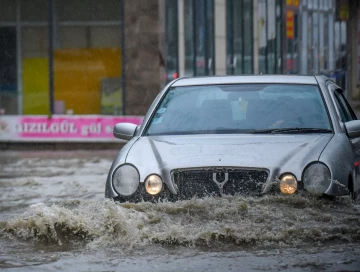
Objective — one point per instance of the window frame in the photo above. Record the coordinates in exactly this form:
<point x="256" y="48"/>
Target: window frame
<point x="345" y="111"/>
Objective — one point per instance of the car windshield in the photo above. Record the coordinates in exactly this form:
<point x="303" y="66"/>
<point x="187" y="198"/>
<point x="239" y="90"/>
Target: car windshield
<point x="241" y="108"/>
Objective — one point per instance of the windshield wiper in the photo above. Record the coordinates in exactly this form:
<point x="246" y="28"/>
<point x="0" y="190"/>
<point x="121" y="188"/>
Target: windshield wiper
<point x="290" y="130"/>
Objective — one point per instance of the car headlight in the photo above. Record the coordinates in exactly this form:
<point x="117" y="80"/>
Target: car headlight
<point x="317" y="178"/>
<point x="288" y="184"/>
<point x="153" y="184"/>
<point x="126" y="180"/>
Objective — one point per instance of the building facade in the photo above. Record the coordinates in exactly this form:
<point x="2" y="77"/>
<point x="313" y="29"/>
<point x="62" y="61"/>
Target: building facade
<point x="256" y="37"/>
<point x="72" y="48"/>
<point x="112" y="57"/>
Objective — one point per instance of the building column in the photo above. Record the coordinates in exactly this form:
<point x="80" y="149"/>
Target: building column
<point x="142" y="54"/>
<point x="220" y="37"/>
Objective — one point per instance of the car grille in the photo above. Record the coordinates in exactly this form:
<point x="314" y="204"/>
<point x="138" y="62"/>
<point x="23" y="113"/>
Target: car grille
<point x="200" y="182"/>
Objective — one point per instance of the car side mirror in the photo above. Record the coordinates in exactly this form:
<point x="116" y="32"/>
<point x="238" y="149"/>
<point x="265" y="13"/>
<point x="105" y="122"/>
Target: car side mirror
<point x="124" y="131"/>
<point x="353" y="128"/>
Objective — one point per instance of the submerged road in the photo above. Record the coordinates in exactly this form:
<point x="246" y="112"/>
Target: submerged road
<point x="53" y="216"/>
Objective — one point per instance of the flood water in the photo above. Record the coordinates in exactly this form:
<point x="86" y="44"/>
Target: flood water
<point x="53" y="216"/>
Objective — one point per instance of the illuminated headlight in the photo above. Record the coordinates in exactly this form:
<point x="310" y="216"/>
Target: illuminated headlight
<point x="153" y="184"/>
<point x="288" y="184"/>
<point x="126" y="180"/>
<point x="317" y="178"/>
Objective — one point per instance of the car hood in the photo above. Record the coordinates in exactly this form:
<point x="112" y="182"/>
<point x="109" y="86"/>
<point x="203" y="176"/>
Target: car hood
<point x="278" y="153"/>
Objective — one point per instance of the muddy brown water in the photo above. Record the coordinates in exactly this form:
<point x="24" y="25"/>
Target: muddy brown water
<point x="53" y="216"/>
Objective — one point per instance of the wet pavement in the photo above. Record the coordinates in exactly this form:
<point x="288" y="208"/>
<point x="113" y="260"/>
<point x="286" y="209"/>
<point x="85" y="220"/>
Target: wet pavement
<point x="53" y="216"/>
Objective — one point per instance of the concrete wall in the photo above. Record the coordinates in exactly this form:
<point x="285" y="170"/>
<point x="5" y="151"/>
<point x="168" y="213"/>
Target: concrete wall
<point x="142" y="70"/>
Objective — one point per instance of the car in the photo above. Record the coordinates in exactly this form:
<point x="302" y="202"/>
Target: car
<point x="239" y="135"/>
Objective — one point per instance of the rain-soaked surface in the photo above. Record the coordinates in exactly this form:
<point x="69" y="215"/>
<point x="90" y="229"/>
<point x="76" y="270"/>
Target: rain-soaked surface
<point x="53" y="216"/>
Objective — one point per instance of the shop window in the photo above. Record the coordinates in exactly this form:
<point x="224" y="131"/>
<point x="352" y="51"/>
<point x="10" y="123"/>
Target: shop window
<point x="234" y="34"/>
<point x="88" y="10"/>
<point x="34" y="10"/>
<point x="239" y="37"/>
<point x="199" y="37"/>
<point x="292" y="40"/>
<point x="278" y="52"/>
<point x="74" y="37"/>
<point x="209" y="38"/>
<point x="189" y="38"/>
<point x="326" y="60"/>
<point x="35" y="70"/>
<point x="270" y="33"/>
<point x="171" y="62"/>
<point x="271" y="37"/>
<point x="87" y="75"/>
<point x="105" y="36"/>
<point x="8" y="72"/>
<point x="262" y="34"/>
<point x="87" y="57"/>
<point x="315" y="42"/>
<point x="7" y="11"/>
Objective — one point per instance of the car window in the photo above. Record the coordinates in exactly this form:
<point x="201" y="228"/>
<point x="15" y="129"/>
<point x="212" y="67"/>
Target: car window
<point x="347" y="105"/>
<point x="238" y="108"/>
<point x="346" y="113"/>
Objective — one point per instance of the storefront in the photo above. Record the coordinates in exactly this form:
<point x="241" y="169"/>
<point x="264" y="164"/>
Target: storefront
<point x="84" y="63"/>
<point x="318" y="46"/>
<point x="86" y="44"/>
<point x="255" y="36"/>
<point x="239" y="37"/>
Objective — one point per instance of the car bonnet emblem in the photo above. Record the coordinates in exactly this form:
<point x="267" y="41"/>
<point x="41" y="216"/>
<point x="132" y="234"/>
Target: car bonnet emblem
<point x="221" y="184"/>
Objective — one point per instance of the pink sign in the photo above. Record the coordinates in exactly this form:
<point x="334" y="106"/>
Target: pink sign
<point x="61" y="128"/>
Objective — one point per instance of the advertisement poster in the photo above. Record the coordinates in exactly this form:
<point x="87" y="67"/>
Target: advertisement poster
<point x="61" y="128"/>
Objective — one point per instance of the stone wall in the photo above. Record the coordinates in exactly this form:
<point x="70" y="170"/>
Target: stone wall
<point x="142" y="69"/>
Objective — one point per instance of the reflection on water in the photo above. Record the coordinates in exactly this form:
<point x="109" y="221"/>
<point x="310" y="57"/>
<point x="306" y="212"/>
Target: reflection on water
<point x="55" y="206"/>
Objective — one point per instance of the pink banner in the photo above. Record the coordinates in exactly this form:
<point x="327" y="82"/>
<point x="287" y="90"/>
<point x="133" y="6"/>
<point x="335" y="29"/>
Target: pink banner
<point x="61" y="128"/>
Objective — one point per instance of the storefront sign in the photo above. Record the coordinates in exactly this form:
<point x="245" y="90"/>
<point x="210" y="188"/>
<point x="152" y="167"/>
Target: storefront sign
<point x="61" y="128"/>
<point x="293" y="3"/>
<point x="342" y="10"/>
<point x="290" y="24"/>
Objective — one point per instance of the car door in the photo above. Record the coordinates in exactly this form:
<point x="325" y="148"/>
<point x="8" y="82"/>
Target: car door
<point x="347" y="114"/>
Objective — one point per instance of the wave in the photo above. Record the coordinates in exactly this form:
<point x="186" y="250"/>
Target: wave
<point x="269" y="221"/>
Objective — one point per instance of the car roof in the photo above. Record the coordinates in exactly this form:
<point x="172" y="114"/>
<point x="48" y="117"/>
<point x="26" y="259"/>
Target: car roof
<point x="211" y="80"/>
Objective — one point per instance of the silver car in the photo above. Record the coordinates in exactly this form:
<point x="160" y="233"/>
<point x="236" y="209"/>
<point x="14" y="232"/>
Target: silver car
<point x="239" y="135"/>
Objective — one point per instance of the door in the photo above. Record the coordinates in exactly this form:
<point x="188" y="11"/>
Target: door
<point x="347" y="114"/>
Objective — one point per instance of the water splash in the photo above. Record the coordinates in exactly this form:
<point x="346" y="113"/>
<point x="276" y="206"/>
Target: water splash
<point x="269" y="221"/>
